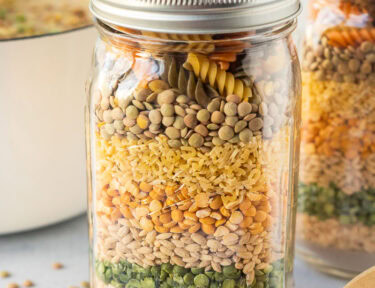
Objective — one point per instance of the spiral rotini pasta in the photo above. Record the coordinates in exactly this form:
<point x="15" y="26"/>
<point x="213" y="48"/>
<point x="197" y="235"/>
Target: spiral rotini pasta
<point x="364" y="6"/>
<point x="225" y="82"/>
<point x="349" y="9"/>
<point x="190" y="42"/>
<point x="343" y="37"/>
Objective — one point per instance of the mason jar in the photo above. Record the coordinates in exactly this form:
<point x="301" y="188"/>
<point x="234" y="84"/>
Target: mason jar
<point x="336" y="228"/>
<point x="192" y="139"/>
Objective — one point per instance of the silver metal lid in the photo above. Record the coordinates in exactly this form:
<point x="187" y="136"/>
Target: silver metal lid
<point x="195" y="16"/>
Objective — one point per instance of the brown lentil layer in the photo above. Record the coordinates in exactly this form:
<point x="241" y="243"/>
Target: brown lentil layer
<point x="351" y="64"/>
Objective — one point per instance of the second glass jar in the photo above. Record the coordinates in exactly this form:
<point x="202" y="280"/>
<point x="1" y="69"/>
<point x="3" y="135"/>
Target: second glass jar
<point x="336" y="228"/>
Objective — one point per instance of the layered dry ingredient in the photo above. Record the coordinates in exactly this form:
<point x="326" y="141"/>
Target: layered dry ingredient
<point x="337" y="176"/>
<point x="20" y="18"/>
<point x="192" y="150"/>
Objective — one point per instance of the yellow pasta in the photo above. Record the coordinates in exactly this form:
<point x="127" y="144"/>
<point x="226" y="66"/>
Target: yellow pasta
<point x="210" y="72"/>
<point x="189" y="42"/>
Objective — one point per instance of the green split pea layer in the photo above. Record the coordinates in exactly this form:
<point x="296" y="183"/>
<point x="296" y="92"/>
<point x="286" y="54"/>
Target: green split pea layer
<point x="128" y="275"/>
<point x="331" y="202"/>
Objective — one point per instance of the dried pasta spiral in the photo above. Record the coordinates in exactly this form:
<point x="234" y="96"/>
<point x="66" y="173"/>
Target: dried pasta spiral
<point x="200" y="43"/>
<point x="343" y="37"/>
<point x="363" y="6"/>
<point x="225" y="82"/>
<point x="177" y="77"/>
<point x="349" y="8"/>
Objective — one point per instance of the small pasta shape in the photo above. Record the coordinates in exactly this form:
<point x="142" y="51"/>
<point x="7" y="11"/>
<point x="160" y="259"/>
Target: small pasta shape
<point x="351" y="9"/>
<point x="349" y="36"/>
<point x="210" y="72"/>
<point x="185" y="81"/>
<point x="346" y="8"/>
<point x="189" y="42"/>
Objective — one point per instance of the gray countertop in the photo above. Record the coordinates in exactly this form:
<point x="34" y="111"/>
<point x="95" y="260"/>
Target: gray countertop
<point x="30" y="255"/>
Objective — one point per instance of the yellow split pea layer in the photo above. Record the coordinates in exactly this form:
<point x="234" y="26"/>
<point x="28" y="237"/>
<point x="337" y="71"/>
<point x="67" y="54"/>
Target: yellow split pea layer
<point x="169" y="209"/>
<point x="338" y="117"/>
<point x="231" y="183"/>
<point x="338" y="133"/>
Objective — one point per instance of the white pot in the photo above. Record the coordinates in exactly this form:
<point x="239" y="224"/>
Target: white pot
<point x="42" y="150"/>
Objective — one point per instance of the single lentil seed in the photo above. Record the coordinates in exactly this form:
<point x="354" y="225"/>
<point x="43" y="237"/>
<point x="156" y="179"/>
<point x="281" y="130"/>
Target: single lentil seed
<point x="230" y="109"/>
<point x="167" y="110"/>
<point x="231" y="120"/>
<point x="196" y="140"/>
<point x="28" y="283"/>
<point x="86" y="284"/>
<point x="256" y="124"/>
<point x="190" y="120"/>
<point x="57" y="265"/>
<point x="168" y="121"/>
<point x="179" y="123"/>
<point x="244" y="109"/>
<point x="172" y="133"/>
<point x="217" y="117"/>
<point x="226" y="133"/>
<point x="203" y="115"/>
<point x="233" y="98"/>
<point x="4" y="274"/>
<point x="131" y="112"/>
<point x="155" y="116"/>
<point x="213" y="106"/>
<point x="245" y="135"/>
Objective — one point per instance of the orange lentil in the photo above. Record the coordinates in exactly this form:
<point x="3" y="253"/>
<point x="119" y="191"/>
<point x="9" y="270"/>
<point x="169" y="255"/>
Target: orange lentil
<point x="260" y="216"/>
<point x="28" y="283"/>
<point x="183" y="226"/>
<point x="220" y="222"/>
<point x="250" y="211"/>
<point x="224" y="211"/>
<point x="185" y="205"/>
<point x="177" y="215"/>
<point x="116" y="214"/>
<point x="156" y="220"/>
<point x="191" y="216"/>
<point x="170" y="190"/>
<point x="216" y="203"/>
<point x="145" y="187"/>
<point x="165" y="218"/>
<point x="170" y="224"/>
<point x="57" y="265"/>
<point x="208" y="229"/>
<point x="155" y="195"/>
<point x="207" y="220"/>
<point x="125" y="211"/>
<point x="193" y="208"/>
<point x="161" y="229"/>
<point x="194" y="228"/>
<point x="176" y="229"/>
<point x="247" y="221"/>
<point x="201" y="200"/>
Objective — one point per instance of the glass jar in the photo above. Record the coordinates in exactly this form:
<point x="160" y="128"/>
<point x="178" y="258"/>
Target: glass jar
<point x="192" y="146"/>
<point x="336" y="229"/>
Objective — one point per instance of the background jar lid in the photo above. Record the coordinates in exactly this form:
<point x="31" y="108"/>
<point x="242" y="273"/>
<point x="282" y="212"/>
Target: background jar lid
<point x="195" y="16"/>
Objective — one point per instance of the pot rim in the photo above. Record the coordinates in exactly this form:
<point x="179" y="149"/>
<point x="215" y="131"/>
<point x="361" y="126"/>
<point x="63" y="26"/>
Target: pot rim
<point x="47" y="34"/>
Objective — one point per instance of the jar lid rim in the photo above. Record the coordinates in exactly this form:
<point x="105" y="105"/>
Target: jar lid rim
<point x="195" y="16"/>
